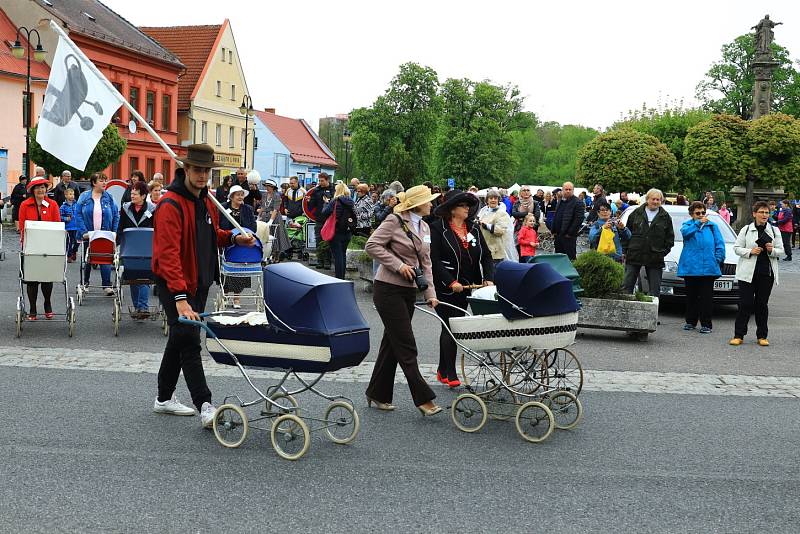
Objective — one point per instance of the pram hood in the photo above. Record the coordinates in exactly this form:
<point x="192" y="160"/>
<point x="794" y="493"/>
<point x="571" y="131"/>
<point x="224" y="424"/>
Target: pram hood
<point x="310" y="302"/>
<point x="536" y="288"/>
<point x="136" y="243"/>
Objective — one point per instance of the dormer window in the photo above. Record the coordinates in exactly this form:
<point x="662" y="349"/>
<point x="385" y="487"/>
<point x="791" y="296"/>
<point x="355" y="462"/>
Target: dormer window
<point x="88" y="16"/>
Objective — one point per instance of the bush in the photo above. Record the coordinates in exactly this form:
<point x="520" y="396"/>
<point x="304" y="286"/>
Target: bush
<point x="358" y="242"/>
<point x="601" y="276"/>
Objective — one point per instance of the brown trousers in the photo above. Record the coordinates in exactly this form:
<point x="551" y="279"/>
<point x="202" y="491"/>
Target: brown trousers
<point x="395" y="305"/>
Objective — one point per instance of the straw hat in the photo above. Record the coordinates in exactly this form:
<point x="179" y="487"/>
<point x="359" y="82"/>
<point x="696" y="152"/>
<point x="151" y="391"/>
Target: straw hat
<point x="236" y="189"/>
<point x="413" y="197"/>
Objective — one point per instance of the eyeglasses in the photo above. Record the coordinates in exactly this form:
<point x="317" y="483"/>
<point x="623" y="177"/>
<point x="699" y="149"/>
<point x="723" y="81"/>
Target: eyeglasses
<point x="762" y="212"/>
<point x="700" y="213"/>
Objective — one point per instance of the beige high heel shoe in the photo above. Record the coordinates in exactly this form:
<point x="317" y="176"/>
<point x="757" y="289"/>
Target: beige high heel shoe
<point x="427" y="413"/>
<point x="386" y="407"/>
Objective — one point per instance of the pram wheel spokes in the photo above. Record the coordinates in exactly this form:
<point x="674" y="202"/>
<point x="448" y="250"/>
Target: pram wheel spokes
<point x="285" y="404"/>
<point x="341" y="422"/>
<point x="469" y="412"/>
<point x="230" y="426"/>
<point x="564" y="371"/>
<point x="290" y="437"/>
<point x="502" y="403"/>
<point x="535" y="422"/>
<point x="566" y="407"/>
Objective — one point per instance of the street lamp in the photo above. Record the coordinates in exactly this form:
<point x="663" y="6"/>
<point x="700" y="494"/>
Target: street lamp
<point x="39" y="53"/>
<point x="247" y="110"/>
<point x="346" y="138"/>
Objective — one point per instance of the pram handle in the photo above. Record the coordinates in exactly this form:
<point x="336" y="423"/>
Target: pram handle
<point x="199" y="324"/>
<point x="420" y="304"/>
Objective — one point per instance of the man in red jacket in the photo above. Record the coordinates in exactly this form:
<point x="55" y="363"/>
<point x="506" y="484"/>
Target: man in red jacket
<point x="185" y="240"/>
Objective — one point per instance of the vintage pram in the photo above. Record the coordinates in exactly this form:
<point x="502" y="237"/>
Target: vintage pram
<point x="240" y="263"/>
<point x="514" y="360"/>
<point x="100" y="249"/>
<point x="296" y="230"/>
<point x="133" y="266"/>
<point x="43" y="258"/>
<point x="312" y="325"/>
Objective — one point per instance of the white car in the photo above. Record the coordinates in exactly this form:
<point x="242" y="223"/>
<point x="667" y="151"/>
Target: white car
<point x="726" y="288"/>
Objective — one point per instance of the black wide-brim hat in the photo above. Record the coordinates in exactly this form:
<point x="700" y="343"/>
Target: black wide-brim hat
<point x="200" y="155"/>
<point x="453" y="198"/>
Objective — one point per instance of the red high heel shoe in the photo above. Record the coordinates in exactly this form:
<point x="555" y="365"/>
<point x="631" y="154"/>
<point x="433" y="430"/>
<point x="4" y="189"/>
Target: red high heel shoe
<point x="441" y="378"/>
<point x="454" y="383"/>
<point x="49" y="315"/>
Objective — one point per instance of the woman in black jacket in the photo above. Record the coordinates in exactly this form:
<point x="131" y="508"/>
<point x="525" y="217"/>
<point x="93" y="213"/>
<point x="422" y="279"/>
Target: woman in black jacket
<point x="221" y="192"/>
<point x="460" y="259"/>
<point x="245" y="215"/>
<point x="345" y="224"/>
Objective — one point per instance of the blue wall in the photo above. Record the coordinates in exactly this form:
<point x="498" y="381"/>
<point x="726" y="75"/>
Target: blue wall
<point x="272" y="159"/>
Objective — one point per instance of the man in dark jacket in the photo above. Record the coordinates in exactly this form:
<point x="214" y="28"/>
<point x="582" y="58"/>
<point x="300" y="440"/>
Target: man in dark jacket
<point x="567" y="221"/>
<point x="652" y="237"/>
<point x="320" y="196"/>
<point x="65" y="183"/>
<point x="185" y="239"/>
<point x="598" y="199"/>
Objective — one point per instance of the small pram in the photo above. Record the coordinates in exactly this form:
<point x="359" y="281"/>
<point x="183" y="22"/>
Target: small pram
<point x="312" y="325"/>
<point x="100" y="249"/>
<point x="514" y="361"/>
<point x="296" y="230"/>
<point x="133" y="267"/>
<point x="43" y="259"/>
<point x="240" y="272"/>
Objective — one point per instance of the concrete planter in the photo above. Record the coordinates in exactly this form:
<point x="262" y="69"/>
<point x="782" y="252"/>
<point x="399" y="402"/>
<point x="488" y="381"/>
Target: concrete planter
<point x="352" y="259"/>
<point x="631" y="316"/>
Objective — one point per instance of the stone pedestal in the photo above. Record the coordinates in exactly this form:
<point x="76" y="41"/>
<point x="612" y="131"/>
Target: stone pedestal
<point x="629" y="316"/>
<point x="766" y="194"/>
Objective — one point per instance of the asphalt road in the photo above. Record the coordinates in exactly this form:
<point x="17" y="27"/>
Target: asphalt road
<point x="669" y="349"/>
<point x="83" y="453"/>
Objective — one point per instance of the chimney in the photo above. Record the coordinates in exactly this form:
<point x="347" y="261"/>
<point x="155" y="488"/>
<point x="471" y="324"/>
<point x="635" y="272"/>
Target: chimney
<point x="270" y="110"/>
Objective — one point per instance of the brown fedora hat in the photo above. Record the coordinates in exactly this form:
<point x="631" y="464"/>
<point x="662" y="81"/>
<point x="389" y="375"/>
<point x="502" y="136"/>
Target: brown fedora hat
<point x="200" y="155"/>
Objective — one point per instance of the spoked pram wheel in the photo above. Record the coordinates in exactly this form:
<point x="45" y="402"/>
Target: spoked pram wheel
<point x="535" y="422"/>
<point x="564" y="371"/>
<point x="230" y="425"/>
<point x="290" y="437"/>
<point x="341" y="422"/>
<point x="501" y="403"/>
<point x="469" y="412"/>
<point x="566" y="407"/>
<point x="116" y="316"/>
<point x="287" y="403"/>
<point x="527" y="372"/>
<point x="477" y="377"/>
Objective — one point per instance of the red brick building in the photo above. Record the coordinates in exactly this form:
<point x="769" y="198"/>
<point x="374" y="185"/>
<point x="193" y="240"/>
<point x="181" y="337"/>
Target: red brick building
<point x="140" y="68"/>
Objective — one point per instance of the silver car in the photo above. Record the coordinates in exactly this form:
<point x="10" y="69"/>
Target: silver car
<point x="726" y="288"/>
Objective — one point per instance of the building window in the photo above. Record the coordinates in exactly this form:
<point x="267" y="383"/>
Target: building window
<point x="231" y="137"/>
<point x="255" y="143"/>
<point x="166" y="105"/>
<point x="133" y="164"/>
<point x="117" y="114"/>
<point x="204" y="132"/>
<point x="233" y="92"/>
<point x="150" y="107"/>
<point x="166" y="168"/>
<point x="219" y="135"/>
<point x="219" y="88"/>
<point x="193" y="128"/>
<point x="133" y="99"/>
<point x="116" y="169"/>
<point x="150" y="169"/>
<point x="223" y="54"/>
<point x="230" y="57"/>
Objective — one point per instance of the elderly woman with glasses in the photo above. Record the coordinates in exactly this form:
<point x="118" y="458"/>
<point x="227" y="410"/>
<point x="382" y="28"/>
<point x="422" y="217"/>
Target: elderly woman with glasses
<point x="699" y="265"/>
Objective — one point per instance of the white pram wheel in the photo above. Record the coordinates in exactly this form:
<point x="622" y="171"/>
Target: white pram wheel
<point x="535" y="422"/>
<point x="230" y="426"/>
<point x="290" y="437"/>
<point x="469" y="413"/>
<point x="341" y="422"/>
<point x="566" y="407"/>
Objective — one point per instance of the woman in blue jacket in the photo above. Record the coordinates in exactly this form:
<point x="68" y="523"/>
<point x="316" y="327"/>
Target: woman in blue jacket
<point x="699" y="265"/>
<point x="96" y="210"/>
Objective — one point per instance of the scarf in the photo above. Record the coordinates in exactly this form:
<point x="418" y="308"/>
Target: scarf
<point x="526" y="205"/>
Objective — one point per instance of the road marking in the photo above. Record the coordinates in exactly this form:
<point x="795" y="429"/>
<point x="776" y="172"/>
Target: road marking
<point x="623" y="381"/>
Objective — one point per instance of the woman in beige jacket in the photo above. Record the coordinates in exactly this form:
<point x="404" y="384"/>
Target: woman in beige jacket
<point x="497" y="229"/>
<point x="400" y="244"/>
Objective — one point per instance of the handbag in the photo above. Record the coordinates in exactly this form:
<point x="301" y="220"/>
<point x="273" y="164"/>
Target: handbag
<point x="329" y="228"/>
<point x="606" y="244"/>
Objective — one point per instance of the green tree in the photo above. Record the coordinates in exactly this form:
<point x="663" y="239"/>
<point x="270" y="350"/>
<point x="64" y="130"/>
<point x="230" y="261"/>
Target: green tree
<point x="108" y="150"/>
<point x="626" y="160"/>
<point x="773" y="143"/>
<point x="548" y="152"/>
<point x="728" y="84"/>
<point x="475" y="144"/>
<point x="716" y="154"/>
<point x="393" y="139"/>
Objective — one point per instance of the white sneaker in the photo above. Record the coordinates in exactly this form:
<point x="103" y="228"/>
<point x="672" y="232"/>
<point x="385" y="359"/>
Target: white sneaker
<point x="207" y="413"/>
<point x="172" y="407"/>
<point x="109" y="292"/>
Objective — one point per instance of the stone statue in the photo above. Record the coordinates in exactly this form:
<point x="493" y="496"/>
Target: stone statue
<point x="764" y="35"/>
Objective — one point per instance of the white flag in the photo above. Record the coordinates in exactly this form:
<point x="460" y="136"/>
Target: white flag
<point x="78" y="105"/>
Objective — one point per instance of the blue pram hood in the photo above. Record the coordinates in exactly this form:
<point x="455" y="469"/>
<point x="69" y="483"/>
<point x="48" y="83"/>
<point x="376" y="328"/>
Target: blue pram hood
<point x="535" y="288"/>
<point x="310" y="302"/>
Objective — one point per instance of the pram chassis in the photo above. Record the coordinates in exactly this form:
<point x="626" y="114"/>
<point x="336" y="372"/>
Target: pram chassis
<point x="289" y="432"/>
<point x="82" y="290"/>
<point x="222" y="300"/>
<point x="156" y="312"/>
<point x="532" y="385"/>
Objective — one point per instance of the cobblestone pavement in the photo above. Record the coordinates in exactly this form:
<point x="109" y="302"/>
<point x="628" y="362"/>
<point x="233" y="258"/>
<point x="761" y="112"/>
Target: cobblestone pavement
<point x="623" y="381"/>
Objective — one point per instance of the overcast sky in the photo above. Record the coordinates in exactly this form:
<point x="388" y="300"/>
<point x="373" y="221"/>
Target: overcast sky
<point x="576" y="62"/>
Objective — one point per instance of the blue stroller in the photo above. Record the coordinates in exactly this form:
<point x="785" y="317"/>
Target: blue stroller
<point x="312" y="325"/>
<point x="240" y="271"/>
<point x="133" y="266"/>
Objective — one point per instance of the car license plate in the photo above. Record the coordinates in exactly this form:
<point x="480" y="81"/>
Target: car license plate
<point x="721" y="285"/>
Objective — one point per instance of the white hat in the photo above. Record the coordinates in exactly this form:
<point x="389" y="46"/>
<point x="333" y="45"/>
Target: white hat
<point x="236" y="189"/>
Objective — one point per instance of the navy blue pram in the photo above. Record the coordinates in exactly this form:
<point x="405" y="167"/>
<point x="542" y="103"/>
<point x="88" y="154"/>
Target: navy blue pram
<point x="532" y="289"/>
<point x="136" y="254"/>
<point x="315" y="325"/>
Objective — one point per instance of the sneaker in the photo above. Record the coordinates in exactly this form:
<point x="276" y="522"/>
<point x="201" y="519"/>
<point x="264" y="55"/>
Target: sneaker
<point x="172" y="407"/>
<point x="108" y="291"/>
<point x="704" y="330"/>
<point x="207" y="413"/>
<point x="688" y="326"/>
<point x="735" y="341"/>
<point x="237" y="306"/>
<point x="763" y="342"/>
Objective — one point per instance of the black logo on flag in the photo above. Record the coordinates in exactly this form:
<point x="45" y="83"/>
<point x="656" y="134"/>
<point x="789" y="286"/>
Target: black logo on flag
<point x="68" y="101"/>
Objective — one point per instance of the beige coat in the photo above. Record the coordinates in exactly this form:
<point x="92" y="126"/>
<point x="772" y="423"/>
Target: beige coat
<point x="499" y="223"/>
<point x="392" y="248"/>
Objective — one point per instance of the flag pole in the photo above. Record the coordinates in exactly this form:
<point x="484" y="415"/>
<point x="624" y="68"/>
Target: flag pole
<point x="56" y="28"/>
